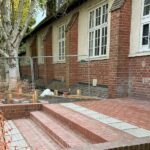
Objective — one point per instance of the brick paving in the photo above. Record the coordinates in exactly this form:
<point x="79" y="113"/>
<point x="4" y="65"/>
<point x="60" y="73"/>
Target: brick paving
<point x="135" y="112"/>
<point x="36" y="137"/>
<point x="57" y="126"/>
<point x="56" y="131"/>
<point x="115" y="123"/>
<point x="97" y="132"/>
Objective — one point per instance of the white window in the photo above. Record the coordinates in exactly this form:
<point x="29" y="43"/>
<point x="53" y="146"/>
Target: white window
<point x="145" y="34"/>
<point x="98" y="26"/>
<point x="61" y="43"/>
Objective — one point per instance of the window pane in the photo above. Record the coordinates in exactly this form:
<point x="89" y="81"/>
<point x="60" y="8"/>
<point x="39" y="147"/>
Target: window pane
<point x="59" y="50"/>
<point x="145" y="34"/>
<point x="104" y="41"/>
<point x="63" y="31"/>
<point x="145" y="41"/>
<point x="98" y="31"/>
<point x="146" y="7"/>
<point x="98" y="16"/>
<point x="145" y="30"/>
<point x="91" y="36"/>
<point x="147" y="2"/>
<point x="63" y="50"/>
<point x="97" y="42"/>
<point x="105" y="13"/>
<point x="91" y="23"/>
<point x="60" y="33"/>
<point x="146" y="10"/>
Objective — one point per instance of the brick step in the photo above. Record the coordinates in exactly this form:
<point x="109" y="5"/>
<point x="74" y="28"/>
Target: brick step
<point x="33" y="133"/>
<point x="95" y="131"/>
<point x="56" y="131"/>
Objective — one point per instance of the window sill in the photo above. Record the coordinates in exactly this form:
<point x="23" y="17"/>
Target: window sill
<point x="94" y="59"/>
<point x="98" y="58"/>
<point x="59" y="62"/>
<point x="138" y="54"/>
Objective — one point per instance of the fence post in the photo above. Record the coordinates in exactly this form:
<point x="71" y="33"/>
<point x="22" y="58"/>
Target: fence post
<point x="32" y="72"/>
<point x="89" y="76"/>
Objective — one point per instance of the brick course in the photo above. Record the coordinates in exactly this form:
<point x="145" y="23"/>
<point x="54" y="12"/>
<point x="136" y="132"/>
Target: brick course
<point x="17" y="111"/>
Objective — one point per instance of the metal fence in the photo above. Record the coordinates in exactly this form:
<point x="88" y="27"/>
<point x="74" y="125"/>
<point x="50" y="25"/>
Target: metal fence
<point x="68" y="74"/>
<point x="25" y="69"/>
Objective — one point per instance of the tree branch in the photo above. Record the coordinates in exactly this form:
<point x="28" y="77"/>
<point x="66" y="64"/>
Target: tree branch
<point x="28" y="19"/>
<point x="6" y="17"/>
<point x="18" y="20"/>
<point x="5" y="35"/>
<point x="13" y="12"/>
<point x="4" y="53"/>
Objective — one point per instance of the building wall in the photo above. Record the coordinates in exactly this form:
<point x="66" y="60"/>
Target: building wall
<point x="121" y="70"/>
<point x="139" y="77"/>
<point x="99" y="69"/>
<point x="135" y="26"/>
<point x="139" y="64"/>
<point x="84" y="26"/>
<point x="25" y="63"/>
<point x="119" y="50"/>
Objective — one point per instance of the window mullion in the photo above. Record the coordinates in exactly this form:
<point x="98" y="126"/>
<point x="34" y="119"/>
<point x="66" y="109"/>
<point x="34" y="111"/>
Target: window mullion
<point x="94" y="32"/>
<point x="101" y="31"/>
<point x="149" y="38"/>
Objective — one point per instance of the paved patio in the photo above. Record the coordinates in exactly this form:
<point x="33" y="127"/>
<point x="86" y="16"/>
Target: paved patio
<point x="136" y="112"/>
<point x="70" y="125"/>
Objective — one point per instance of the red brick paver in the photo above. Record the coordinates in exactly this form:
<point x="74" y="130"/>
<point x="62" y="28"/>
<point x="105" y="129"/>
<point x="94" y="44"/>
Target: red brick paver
<point x="97" y="132"/>
<point x="36" y="138"/>
<point x="132" y="111"/>
<point x="56" y="131"/>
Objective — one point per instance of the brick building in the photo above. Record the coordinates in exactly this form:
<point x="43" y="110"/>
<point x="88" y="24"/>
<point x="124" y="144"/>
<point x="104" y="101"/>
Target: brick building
<point x="114" y="34"/>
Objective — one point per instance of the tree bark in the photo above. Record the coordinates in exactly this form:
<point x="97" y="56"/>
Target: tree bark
<point x="14" y="75"/>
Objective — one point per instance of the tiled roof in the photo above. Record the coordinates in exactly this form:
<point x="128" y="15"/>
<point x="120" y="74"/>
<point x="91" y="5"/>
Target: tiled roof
<point x="73" y="4"/>
<point x="117" y="4"/>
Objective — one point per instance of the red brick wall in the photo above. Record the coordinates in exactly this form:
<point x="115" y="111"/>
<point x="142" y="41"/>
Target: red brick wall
<point x="139" y="77"/>
<point x="72" y="49"/>
<point x="17" y="111"/>
<point x="122" y="76"/>
<point x="59" y="71"/>
<point x="119" y="50"/>
<point x="42" y="71"/>
<point x="48" y="52"/>
<point x="98" y="70"/>
<point x="25" y="70"/>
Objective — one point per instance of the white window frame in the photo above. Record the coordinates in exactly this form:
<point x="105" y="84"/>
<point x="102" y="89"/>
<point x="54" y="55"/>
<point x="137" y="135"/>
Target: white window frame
<point x="144" y="20"/>
<point x="96" y="28"/>
<point x="61" y="44"/>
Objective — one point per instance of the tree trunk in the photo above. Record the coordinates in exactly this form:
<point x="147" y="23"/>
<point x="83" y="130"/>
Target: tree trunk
<point x="14" y="74"/>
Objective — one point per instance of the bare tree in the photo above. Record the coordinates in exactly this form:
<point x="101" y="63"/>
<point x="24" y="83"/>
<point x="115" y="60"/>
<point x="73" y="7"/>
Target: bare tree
<point x="12" y="31"/>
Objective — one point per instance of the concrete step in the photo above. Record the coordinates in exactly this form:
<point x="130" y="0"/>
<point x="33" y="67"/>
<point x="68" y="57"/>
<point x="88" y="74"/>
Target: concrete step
<point x="55" y="130"/>
<point x="95" y="131"/>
